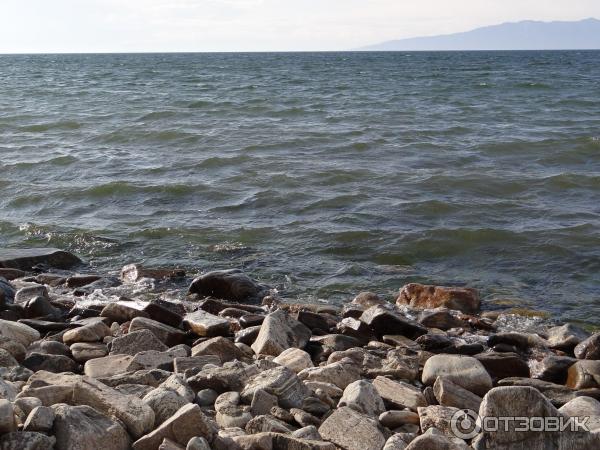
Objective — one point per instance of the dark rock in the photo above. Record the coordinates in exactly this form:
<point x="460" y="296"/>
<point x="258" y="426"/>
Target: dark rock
<point x="440" y="318"/>
<point x="45" y="326"/>
<point x="165" y="312"/>
<point x="503" y="365"/>
<point x="589" y="348"/>
<point x="231" y="285"/>
<point x="7" y="292"/>
<point x="123" y="311"/>
<point x="314" y="321"/>
<point x="50" y="363"/>
<point x="552" y="368"/>
<point x="384" y="321"/>
<point x="26" y="440"/>
<point x="248" y="335"/>
<point x="40" y="307"/>
<point x="165" y="333"/>
<point x="355" y="328"/>
<point x="251" y="320"/>
<point x="523" y="341"/>
<point x="11" y="274"/>
<point x="77" y="281"/>
<point x="27" y="258"/>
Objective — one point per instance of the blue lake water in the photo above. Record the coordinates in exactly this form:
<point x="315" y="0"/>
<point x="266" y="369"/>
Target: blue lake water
<point x="322" y="174"/>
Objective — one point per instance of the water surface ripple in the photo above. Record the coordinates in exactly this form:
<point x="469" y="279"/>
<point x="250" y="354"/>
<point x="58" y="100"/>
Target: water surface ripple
<point x="321" y="174"/>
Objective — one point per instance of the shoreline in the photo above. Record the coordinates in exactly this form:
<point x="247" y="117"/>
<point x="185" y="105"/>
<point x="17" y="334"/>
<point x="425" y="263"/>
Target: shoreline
<point x="232" y="366"/>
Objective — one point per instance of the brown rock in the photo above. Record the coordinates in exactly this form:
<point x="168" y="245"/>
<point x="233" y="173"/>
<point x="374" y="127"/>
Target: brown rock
<point x="386" y="321"/>
<point x="429" y="297"/>
<point x="168" y="335"/>
<point x="228" y="285"/>
<point x="222" y="347"/>
<point x="351" y="430"/>
<point x="397" y="394"/>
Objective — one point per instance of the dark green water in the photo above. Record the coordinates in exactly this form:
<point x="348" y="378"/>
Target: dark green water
<point x="321" y="174"/>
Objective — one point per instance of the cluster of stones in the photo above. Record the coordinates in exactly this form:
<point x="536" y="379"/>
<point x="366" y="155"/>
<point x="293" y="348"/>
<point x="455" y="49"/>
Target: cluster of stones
<point x="234" y="368"/>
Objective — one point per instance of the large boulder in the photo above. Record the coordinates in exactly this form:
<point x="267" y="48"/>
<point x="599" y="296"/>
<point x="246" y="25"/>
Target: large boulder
<point x="524" y="401"/>
<point x="278" y="332"/>
<point x="351" y="430"/>
<point x="429" y="297"/>
<point x="464" y="371"/>
<point x="27" y="258"/>
<point x="82" y="427"/>
<point x="231" y="285"/>
<point x="584" y="407"/>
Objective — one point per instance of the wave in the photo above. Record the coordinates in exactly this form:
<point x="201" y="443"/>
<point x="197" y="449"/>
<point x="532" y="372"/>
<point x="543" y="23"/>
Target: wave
<point x="43" y="127"/>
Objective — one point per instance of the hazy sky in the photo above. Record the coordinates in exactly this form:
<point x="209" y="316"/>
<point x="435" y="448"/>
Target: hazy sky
<point x="237" y="25"/>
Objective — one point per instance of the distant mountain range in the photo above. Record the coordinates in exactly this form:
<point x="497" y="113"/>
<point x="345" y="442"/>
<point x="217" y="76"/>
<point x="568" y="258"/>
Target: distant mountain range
<point x="526" y="35"/>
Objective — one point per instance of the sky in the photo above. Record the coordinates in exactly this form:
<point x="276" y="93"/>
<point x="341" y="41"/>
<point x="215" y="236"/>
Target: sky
<point x="56" y="26"/>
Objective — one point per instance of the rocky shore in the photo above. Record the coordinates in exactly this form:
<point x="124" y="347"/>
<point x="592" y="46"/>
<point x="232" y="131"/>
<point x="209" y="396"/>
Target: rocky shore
<point x="152" y="359"/>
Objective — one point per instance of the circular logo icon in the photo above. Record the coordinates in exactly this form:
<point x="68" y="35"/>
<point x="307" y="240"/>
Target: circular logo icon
<point x="464" y="424"/>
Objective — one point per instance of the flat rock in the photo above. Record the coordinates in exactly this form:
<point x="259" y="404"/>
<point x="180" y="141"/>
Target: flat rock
<point x="351" y="430"/>
<point x="340" y="373"/>
<point x="294" y="359"/>
<point x="84" y="351"/>
<point x="205" y="324"/>
<point x="82" y="427"/>
<point x="397" y="394"/>
<point x="384" y="321"/>
<point x="167" y="334"/>
<point x="278" y="332"/>
<point x="448" y="393"/>
<point x="396" y="418"/>
<point x="181" y="364"/>
<point x="108" y="366"/>
<point x="134" y="413"/>
<point x="280" y="382"/>
<point x="464" y="371"/>
<point x="92" y="332"/>
<point x="135" y="342"/>
<point x="423" y="296"/>
<point x="124" y="311"/>
<point x="19" y="332"/>
<point x="185" y="424"/>
<point x="440" y="318"/>
<point x="221" y="347"/>
<point x="27" y="258"/>
<point x="50" y="363"/>
<point x="503" y="364"/>
<point x="556" y="393"/>
<point x="231" y="285"/>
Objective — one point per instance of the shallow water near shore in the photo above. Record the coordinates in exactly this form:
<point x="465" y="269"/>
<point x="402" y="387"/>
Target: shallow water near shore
<point x="319" y="174"/>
